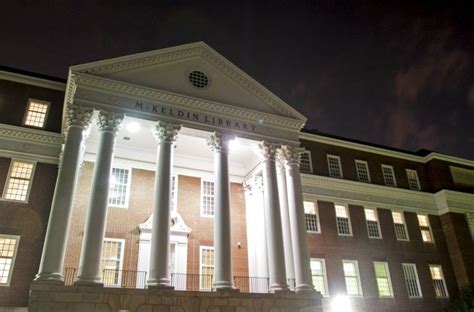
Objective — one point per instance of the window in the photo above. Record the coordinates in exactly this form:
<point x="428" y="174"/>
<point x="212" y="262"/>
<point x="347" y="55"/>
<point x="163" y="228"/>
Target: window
<point x="425" y="228"/>
<point x="174" y="193"/>
<point x="413" y="181"/>
<point x="373" y="226"/>
<point x="318" y="270"/>
<point x="382" y="275"/>
<point x="207" y="198"/>
<point x="306" y="165"/>
<point x="206" y="268"/>
<point x="411" y="280"/>
<point x="438" y="281"/>
<point x="362" y="168"/>
<point x="36" y="113"/>
<point x="343" y="221"/>
<point x="399" y="224"/>
<point x="334" y="164"/>
<point x="19" y="180"/>
<point x="111" y="261"/>
<point x="311" y="216"/>
<point x="351" y="275"/>
<point x="389" y="175"/>
<point x="119" y="187"/>
<point x="8" y="250"/>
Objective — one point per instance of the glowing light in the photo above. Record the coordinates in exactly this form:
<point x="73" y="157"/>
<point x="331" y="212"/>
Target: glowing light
<point x="234" y="144"/>
<point x="133" y="127"/>
<point x="341" y="303"/>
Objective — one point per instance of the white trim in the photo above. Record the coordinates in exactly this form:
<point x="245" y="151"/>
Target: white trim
<point x="325" y="276"/>
<point x="361" y="292"/>
<point x="128" y="190"/>
<point x="201" y="247"/>
<point x="417" y="280"/>
<point x="10" y="274"/>
<point x="393" y="175"/>
<point x="201" y="208"/>
<point x="366" y="164"/>
<point x="33" y="81"/>
<point x="175" y="195"/>
<point x="416" y="177"/>
<point x="316" y="209"/>
<point x="122" y="252"/>
<point x="389" y="278"/>
<point x="376" y="213"/>
<point x="45" y="120"/>
<point x="442" y="278"/>
<point x="404" y="225"/>
<point x="308" y="152"/>
<point x="30" y="185"/>
<point x="328" y="156"/>
<point x="429" y="227"/>
<point x="348" y="218"/>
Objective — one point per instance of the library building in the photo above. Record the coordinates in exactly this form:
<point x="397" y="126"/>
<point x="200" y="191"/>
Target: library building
<point x="172" y="181"/>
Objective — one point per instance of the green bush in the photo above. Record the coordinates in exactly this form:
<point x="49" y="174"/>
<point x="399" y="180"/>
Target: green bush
<point x="465" y="301"/>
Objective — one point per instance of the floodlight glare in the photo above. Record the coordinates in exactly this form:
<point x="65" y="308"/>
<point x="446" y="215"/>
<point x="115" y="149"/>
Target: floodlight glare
<point x="341" y="303"/>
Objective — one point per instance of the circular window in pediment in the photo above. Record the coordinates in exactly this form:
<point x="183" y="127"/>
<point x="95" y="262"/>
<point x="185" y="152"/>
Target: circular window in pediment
<point x="198" y="79"/>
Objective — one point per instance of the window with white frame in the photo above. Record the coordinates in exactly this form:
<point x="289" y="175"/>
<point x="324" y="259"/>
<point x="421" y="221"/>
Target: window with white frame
<point x="343" y="220"/>
<point x="207" y="198"/>
<point x="206" y="267"/>
<point x="389" y="175"/>
<point x="174" y="193"/>
<point x="306" y="166"/>
<point x="382" y="275"/>
<point x="111" y="261"/>
<point x="36" y="113"/>
<point x="399" y="225"/>
<point x="413" y="181"/>
<point x="352" y="277"/>
<point x="8" y="250"/>
<point x="362" y="168"/>
<point x="373" y="225"/>
<point x="318" y="270"/>
<point x="119" y="187"/>
<point x="411" y="280"/>
<point x="311" y="216"/>
<point x="439" y="283"/>
<point x="334" y="165"/>
<point x="19" y="180"/>
<point x="425" y="228"/>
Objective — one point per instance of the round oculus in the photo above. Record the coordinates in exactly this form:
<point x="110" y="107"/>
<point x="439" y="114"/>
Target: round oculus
<point x="198" y="79"/>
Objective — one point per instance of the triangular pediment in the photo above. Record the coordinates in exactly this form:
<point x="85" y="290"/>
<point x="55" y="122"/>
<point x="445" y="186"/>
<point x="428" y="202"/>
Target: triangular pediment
<point x="169" y="70"/>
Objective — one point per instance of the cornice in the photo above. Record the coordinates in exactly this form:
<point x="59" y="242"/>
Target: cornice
<point x="452" y="201"/>
<point x="382" y="151"/>
<point x="199" y="49"/>
<point x="139" y="92"/>
<point x="27" y="135"/>
<point x="34" y="81"/>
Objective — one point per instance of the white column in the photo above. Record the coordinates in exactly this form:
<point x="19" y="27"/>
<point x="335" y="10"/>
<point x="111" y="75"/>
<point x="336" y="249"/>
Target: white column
<point x="50" y="269"/>
<point x="276" y="254"/>
<point x="165" y="134"/>
<point x="222" y="227"/>
<point x="285" y="220"/>
<point x="304" y="279"/>
<point x="94" y="229"/>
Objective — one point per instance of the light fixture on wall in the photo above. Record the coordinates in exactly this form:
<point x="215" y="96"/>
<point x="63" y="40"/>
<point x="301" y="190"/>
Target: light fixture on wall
<point x="238" y="245"/>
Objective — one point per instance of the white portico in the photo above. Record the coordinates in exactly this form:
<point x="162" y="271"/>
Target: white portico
<point x="185" y="96"/>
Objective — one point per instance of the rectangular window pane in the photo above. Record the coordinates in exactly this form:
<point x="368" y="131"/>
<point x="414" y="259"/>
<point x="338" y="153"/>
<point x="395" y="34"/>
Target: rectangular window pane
<point x="411" y="280"/>
<point x="174" y="192"/>
<point x="413" y="182"/>
<point x="311" y="216"/>
<point x="36" y="113"/>
<point x="352" y="278"/>
<point x="342" y="220"/>
<point x="399" y="225"/>
<point x="207" y="198"/>
<point x="388" y="175"/>
<point x="207" y="267"/>
<point x="382" y="276"/>
<point x="111" y="262"/>
<point x="19" y="180"/>
<point x="425" y="228"/>
<point x="439" y="283"/>
<point x="334" y="164"/>
<point x="373" y="228"/>
<point x="318" y="270"/>
<point x="8" y="248"/>
<point x="362" y="171"/>
<point x="119" y="184"/>
<point x="305" y="162"/>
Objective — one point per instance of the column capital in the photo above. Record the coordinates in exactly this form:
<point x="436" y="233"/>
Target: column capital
<point x="291" y="155"/>
<point x="165" y="132"/>
<point x="219" y="142"/>
<point x="79" y="116"/>
<point x="267" y="150"/>
<point x="108" y="121"/>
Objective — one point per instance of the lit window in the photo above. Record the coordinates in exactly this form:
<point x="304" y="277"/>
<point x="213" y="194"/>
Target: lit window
<point x="389" y="175"/>
<point x="207" y="267"/>
<point x="174" y="193"/>
<point x="19" y="180"/>
<point x="311" y="216"/>
<point x="318" y="270"/>
<point x="306" y="165"/>
<point x="373" y="226"/>
<point x="362" y="168"/>
<point x="352" y="278"/>
<point x="399" y="225"/>
<point x="425" y="228"/>
<point x="413" y="181"/>
<point x="411" y="280"/>
<point x="439" y="283"/>
<point x="119" y="187"/>
<point x="8" y="250"/>
<point x="111" y="261"/>
<point x="36" y="113"/>
<point x="343" y="221"/>
<point x="382" y="276"/>
<point x="207" y="198"/>
<point x="334" y="164"/>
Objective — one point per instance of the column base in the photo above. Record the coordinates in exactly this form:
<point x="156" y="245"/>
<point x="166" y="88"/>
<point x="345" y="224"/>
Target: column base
<point x="224" y="286"/>
<point x="49" y="278"/>
<point x="88" y="281"/>
<point x="305" y="289"/>
<point x="278" y="289"/>
<point x="160" y="283"/>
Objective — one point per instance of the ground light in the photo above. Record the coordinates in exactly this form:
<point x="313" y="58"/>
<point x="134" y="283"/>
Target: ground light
<point x="341" y="303"/>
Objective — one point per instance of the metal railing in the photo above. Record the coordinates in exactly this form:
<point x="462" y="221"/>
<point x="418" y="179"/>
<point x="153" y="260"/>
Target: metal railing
<point x="124" y="278"/>
<point x="191" y="282"/>
<point x="248" y="284"/>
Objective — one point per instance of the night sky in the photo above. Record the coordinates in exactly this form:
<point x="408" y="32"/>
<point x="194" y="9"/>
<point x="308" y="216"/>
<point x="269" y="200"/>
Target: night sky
<point x="400" y="75"/>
